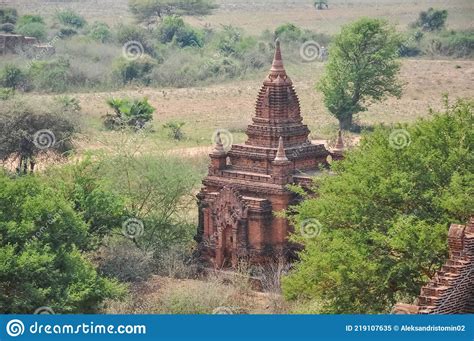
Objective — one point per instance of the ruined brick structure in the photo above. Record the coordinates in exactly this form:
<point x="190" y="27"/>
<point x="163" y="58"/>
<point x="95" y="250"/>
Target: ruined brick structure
<point x="247" y="185"/>
<point x="17" y="43"/>
<point x="451" y="290"/>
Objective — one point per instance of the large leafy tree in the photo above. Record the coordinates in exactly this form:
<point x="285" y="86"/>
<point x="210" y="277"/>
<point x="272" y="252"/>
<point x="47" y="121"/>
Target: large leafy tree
<point x="150" y="10"/>
<point x="385" y="214"/>
<point x="362" y="68"/>
<point x="42" y="239"/>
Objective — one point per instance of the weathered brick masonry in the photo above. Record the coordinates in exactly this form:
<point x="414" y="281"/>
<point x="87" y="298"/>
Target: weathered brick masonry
<point x="451" y="290"/>
<point x="247" y="184"/>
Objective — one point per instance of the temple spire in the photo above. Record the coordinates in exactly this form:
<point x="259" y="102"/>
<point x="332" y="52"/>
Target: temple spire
<point x="277" y="65"/>
<point x="281" y="154"/>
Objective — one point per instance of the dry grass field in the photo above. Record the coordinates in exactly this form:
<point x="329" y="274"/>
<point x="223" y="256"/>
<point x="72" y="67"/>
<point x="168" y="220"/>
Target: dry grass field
<point x="230" y="106"/>
<point x="258" y="15"/>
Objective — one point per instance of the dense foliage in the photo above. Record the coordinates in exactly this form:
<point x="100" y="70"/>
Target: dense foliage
<point x="362" y="68"/>
<point x="384" y="215"/>
<point x="41" y="259"/>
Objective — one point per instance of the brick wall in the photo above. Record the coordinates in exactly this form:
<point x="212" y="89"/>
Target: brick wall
<point x="451" y="290"/>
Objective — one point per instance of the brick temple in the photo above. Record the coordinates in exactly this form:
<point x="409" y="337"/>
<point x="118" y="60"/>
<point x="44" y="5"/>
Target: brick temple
<point x="451" y="290"/>
<point x="248" y="184"/>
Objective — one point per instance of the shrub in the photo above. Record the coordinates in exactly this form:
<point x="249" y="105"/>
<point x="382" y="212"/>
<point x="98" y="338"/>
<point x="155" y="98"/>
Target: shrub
<point x="432" y="20"/>
<point x="7" y="27"/>
<point x="175" y="130"/>
<point x="34" y="29"/>
<point x="135" y="113"/>
<point x="65" y="32"/>
<point x="27" y="131"/>
<point x="51" y="76"/>
<point x="456" y="44"/>
<point x="71" y="104"/>
<point x="173" y="28"/>
<point x="122" y="259"/>
<point x="128" y="33"/>
<point x="100" y="32"/>
<point x="12" y="77"/>
<point x="199" y="297"/>
<point x="30" y="19"/>
<point x="8" y="16"/>
<point x="6" y="93"/>
<point x="71" y="19"/>
<point x="127" y="71"/>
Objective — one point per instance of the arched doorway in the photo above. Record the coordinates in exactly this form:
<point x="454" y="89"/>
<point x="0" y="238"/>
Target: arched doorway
<point x="229" y="212"/>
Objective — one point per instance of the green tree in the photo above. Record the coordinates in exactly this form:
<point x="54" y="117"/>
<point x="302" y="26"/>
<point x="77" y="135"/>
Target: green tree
<point x="41" y="263"/>
<point x="384" y="215"/>
<point x="149" y="10"/>
<point x="432" y="20"/>
<point x="362" y="68"/>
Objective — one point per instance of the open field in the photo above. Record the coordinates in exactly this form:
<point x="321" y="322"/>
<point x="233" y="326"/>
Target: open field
<point x="230" y="106"/>
<point x="257" y="16"/>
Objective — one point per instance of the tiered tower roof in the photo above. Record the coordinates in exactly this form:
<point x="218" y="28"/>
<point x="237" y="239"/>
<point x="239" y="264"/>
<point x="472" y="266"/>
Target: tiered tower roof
<point x="277" y="110"/>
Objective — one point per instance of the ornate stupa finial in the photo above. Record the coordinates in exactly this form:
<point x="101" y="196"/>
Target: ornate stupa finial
<point x="219" y="147"/>
<point x="277" y="65"/>
<point x="281" y="154"/>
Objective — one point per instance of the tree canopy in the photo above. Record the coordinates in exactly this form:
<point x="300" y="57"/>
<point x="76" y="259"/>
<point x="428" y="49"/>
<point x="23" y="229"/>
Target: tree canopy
<point x="148" y="10"/>
<point x="385" y="215"/>
<point x="432" y="20"/>
<point x="41" y="261"/>
<point x="362" y="68"/>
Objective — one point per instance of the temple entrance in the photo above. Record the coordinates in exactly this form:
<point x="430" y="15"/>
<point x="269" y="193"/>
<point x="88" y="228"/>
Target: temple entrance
<point x="228" y="212"/>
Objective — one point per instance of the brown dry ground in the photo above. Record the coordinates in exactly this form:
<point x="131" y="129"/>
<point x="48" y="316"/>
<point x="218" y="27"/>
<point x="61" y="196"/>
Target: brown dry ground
<point x="231" y="105"/>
